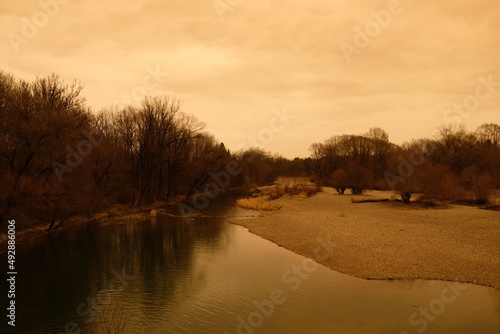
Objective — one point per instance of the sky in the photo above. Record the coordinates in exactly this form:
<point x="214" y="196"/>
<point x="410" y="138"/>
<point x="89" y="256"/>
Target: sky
<point x="278" y="74"/>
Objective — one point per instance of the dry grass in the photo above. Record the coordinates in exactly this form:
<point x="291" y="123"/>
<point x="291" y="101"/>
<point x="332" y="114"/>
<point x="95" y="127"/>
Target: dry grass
<point x="300" y="187"/>
<point x="160" y="212"/>
<point x="258" y="204"/>
<point x="263" y="198"/>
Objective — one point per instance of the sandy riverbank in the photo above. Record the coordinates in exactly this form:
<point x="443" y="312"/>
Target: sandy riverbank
<point x="388" y="240"/>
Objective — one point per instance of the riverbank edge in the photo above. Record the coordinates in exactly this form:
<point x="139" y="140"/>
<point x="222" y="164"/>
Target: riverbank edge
<point x="391" y="277"/>
<point x="116" y="214"/>
<point x="30" y="236"/>
<point x="367" y="277"/>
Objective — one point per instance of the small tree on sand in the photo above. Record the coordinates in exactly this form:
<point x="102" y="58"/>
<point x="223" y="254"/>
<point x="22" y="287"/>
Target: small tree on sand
<point x="359" y="178"/>
<point x="433" y="182"/>
<point x="339" y="180"/>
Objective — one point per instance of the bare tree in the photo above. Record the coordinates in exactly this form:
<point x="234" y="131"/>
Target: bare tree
<point x="489" y="133"/>
<point x="41" y="124"/>
<point x="339" y="180"/>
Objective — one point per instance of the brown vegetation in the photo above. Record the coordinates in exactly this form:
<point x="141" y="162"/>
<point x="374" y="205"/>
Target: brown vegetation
<point x="60" y="160"/>
<point x="263" y="198"/>
<point x="259" y="204"/>
<point x="447" y="168"/>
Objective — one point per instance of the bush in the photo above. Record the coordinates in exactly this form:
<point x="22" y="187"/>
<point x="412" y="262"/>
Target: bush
<point x="438" y="183"/>
<point x="359" y="178"/>
<point x="339" y="180"/>
<point x="480" y="183"/>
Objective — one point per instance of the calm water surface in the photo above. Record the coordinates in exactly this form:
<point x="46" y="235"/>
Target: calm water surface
<point x="209" y="276"/>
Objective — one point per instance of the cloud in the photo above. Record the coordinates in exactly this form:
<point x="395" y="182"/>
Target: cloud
<point x="266" y="54"/>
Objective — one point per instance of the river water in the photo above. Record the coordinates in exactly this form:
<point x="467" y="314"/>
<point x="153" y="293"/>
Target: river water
<point x="210" y="276"/>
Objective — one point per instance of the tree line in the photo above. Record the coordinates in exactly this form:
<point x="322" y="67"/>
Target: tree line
<point x="455" y="165"/>
<point x="60" y="159"/>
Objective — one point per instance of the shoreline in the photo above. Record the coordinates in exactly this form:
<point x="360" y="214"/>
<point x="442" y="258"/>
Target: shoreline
<point x="448" y="243"/>
<point x="116" y="214"/>
<point x="30" y="236"/>
<point x="387" y="240"/>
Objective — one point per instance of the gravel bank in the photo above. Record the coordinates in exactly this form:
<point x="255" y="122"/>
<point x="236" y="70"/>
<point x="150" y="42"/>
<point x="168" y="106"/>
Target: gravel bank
<point x="388" y="240"/>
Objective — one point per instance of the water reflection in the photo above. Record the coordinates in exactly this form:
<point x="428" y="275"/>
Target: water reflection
<point x="207" y="276"/>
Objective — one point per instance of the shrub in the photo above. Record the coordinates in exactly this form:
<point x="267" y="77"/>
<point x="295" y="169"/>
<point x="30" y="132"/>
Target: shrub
<point x="437" y="182"/>
<point x="339" y="180"/>
<point x="481" y="184"/>
<point x="359" y="178"/>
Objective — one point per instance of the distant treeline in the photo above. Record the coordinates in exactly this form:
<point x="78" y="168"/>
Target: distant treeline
<point x="59" y="159"/>
<point x="455" y="165"/>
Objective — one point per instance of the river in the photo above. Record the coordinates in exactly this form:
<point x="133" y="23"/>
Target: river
<point x="209" y="276"/>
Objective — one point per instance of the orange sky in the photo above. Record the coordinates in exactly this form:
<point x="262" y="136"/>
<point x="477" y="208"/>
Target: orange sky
<point x="335" y="67"/>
